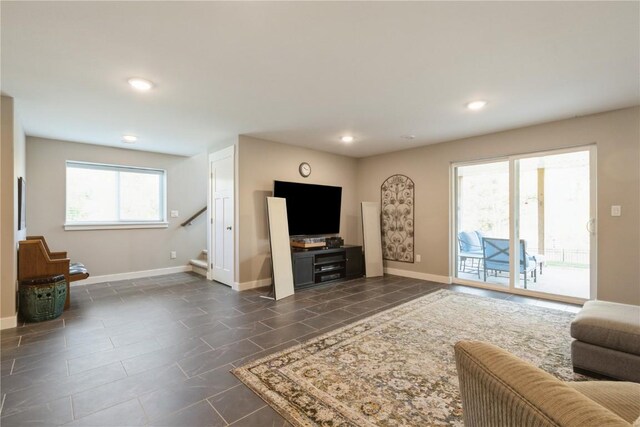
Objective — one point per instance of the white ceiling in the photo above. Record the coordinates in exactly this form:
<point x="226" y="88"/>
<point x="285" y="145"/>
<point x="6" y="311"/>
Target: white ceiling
<point x="306" y="73"/>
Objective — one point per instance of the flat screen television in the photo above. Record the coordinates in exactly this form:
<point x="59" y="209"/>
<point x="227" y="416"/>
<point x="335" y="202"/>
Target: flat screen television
<point x="311" y="209"/>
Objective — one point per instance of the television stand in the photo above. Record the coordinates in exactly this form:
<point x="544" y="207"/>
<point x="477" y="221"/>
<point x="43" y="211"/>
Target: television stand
<point x="319" y="266"/>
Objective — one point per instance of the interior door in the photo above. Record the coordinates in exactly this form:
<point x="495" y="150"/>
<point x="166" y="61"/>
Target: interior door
<point x="221" y="263"/>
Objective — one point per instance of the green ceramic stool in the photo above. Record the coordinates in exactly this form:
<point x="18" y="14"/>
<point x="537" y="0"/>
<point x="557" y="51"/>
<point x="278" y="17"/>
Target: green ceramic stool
<point x="42" y="298"/>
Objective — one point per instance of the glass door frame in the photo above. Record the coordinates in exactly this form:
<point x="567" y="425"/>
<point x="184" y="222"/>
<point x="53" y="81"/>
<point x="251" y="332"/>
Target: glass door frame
<point x="514" y="217"/>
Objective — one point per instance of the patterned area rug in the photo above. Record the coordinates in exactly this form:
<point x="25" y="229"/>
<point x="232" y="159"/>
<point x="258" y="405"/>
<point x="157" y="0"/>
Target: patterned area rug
<point x="397" y="368"/>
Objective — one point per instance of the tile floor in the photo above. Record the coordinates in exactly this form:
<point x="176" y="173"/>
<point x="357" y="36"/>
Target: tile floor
<point x="157" y="351"/>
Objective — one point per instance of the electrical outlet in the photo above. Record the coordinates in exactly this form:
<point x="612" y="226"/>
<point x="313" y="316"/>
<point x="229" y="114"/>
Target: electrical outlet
<point x="174" y="214"/>
<point x="418" y="258"/>
<point x="616" y="210"/>
<point x="173" y="255"/>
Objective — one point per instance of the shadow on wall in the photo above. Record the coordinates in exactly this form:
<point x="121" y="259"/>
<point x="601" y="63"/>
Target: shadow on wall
<point x="353" y="233"/>
<point x="262" y="224"/>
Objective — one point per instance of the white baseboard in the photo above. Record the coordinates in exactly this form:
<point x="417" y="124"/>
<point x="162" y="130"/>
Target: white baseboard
<point x="418" y="275"/>
<point x="9" y="322"/>
<point x="131" y="275"/>
<point x="251" y="284"/>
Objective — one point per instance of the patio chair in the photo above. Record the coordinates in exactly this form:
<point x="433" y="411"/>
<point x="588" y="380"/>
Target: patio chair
<point x="470" y="248"/>
<point x="496" y="258"/>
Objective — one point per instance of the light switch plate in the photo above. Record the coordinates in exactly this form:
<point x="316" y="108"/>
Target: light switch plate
<point x="174" y="214"/>
<point x="616" y="210"/>
<point x="173" y="255"/>
<point x="418" y="258"/>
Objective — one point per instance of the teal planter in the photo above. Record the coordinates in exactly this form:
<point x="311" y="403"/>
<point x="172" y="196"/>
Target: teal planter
<point x="42" y="298"/>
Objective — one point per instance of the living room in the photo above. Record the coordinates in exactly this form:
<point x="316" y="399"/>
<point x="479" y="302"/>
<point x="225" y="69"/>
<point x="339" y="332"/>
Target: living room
<point x="283" y="84"/>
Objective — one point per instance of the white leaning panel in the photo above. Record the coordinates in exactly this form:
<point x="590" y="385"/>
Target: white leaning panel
<point x="372" y="239"/>
<point x="280" y="247"/>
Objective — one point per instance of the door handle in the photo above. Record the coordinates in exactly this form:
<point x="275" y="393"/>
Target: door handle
<point x="590" y="226"/>
<point x="229" y="228"/>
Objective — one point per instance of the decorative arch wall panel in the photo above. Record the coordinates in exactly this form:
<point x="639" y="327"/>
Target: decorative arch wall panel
<point x="398" y="196"/>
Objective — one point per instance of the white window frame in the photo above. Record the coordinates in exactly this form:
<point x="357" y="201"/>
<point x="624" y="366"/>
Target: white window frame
<point x="514" y="216"/>
<point x="120" y="224"/>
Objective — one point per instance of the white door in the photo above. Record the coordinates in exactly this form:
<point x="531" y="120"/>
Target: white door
<point x="221" y="208"/>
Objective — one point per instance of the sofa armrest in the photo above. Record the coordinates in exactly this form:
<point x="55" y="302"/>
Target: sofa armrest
<point x="499" y="389"/>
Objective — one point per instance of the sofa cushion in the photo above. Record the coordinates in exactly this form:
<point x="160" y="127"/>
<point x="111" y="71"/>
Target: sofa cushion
<point x="621" y="398"/>
<point x="610" y="325"/>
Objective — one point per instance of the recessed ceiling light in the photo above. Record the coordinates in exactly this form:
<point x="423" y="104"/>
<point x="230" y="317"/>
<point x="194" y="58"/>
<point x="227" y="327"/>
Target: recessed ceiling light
<point x="476" y="105"/>
<point x="140" y="84"/>
<point x="408" y="136"/>
<point x="347" y="138"/>
<point x="130" y="139"/>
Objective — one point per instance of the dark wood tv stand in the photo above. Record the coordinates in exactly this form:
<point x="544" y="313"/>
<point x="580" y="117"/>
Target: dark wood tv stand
<point x="318" y="266"/>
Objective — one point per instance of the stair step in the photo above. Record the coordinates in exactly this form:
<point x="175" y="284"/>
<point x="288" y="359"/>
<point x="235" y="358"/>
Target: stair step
<point x="198" y="263"/>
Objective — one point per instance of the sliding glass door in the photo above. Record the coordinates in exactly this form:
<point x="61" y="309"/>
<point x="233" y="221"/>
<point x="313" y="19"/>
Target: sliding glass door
<point x="527" y="223"/>
<point x="482" y="210"/>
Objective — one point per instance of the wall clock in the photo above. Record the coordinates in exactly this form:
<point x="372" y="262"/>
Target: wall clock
<point x="304" y="169"/>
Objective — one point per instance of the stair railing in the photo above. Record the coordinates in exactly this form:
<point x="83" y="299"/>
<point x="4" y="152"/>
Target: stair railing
<point x="194" y="216"/>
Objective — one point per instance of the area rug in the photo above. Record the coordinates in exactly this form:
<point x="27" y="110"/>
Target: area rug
<point x="397" y="368"/>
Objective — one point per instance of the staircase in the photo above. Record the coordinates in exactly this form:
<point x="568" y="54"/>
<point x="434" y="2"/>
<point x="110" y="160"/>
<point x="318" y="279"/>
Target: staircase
<point x="199" y="265"/>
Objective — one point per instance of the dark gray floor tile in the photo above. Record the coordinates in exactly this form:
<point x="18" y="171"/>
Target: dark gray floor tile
<point x="221" y="338"/>
<point x="166" y="400"/>
<point x="328" y="306"/>
<point x="279" y="336"/>
<point x="365" y="306"/>
<point x="254" y="306"/>
<point x="55" y="412"/>
<point x="328" y="319"/>
<point x="235" y="403"/>
<point x="84" y="363"/>
<point x="37" y="376"/>
<point x="221" y="378"/>
<point x="286" y="306"/>
<point x="10" y="342"/>
<point x="38" y="338"/>
<point x="41" y="393"/>
<point x="165" y="356"/>
<point x="264" y="417"/>
<point x="148" y="332"/>
<point x="30" y="328"/>
<point x="41" y="347"/>
<point x="107" y="395"/>
<point x="245" y="319"/>
<point x="213" y="359"/>
<point x="6" y="366"/>
<point x="393" y="297"/>
<point x="278" y="321"/>
<point x="129" y="413"/>
<point x="201" y="414"/>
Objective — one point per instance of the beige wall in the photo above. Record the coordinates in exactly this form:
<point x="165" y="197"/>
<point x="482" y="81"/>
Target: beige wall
<point x="12" y="166"/>
<point x="617" y="135"/>
<point x="260" y="163"/>
<point x="116" y="251"/>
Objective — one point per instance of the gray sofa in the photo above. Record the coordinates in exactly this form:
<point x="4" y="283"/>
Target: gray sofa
<point x="607" y="340"/>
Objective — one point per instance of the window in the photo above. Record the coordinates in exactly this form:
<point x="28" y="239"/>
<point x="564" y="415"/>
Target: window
<point x="110" y="196"/>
